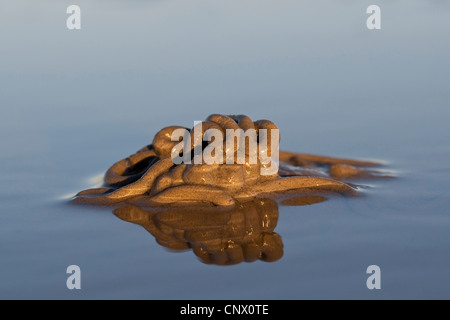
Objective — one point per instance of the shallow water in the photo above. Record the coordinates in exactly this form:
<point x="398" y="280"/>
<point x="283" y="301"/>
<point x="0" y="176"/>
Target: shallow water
<point x="74" y="102"/>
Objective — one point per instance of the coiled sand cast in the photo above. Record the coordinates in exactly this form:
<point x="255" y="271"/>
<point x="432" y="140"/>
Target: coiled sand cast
<point x="150" y="178"/>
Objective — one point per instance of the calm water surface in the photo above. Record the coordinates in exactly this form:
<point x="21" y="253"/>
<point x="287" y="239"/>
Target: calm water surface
<point x="74" y="102"/>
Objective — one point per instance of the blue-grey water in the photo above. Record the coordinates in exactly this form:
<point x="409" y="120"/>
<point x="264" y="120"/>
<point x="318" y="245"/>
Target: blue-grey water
<point x="72" y="102"/>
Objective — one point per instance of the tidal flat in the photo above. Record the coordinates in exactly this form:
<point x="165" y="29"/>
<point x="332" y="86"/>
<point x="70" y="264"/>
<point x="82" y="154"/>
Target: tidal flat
<point x="72" y="102"/>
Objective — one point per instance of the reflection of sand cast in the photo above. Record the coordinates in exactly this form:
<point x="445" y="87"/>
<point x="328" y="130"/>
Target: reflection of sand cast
<point x="216" y="235"/>
<point x="149" y="177"/>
